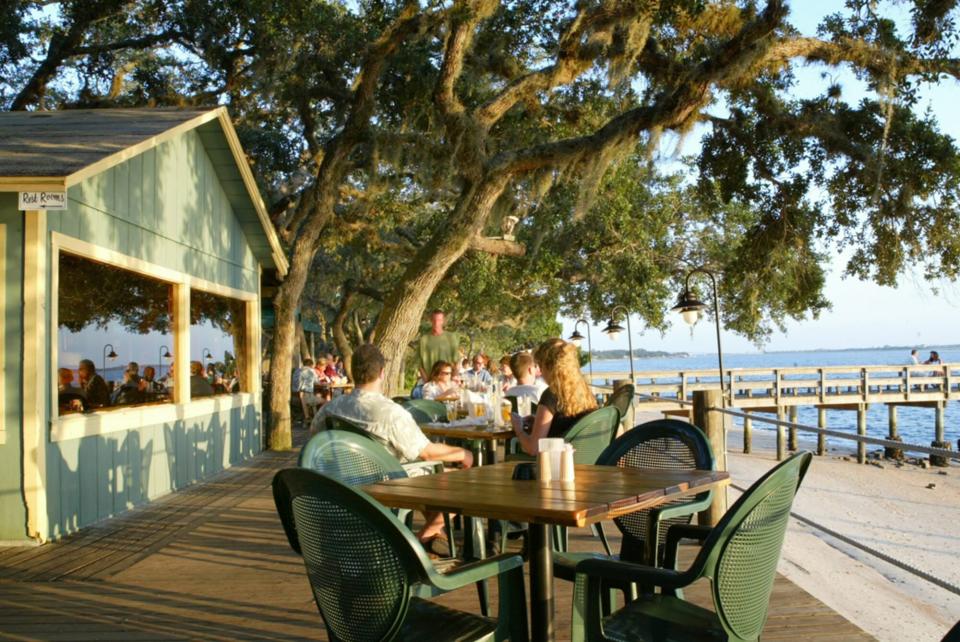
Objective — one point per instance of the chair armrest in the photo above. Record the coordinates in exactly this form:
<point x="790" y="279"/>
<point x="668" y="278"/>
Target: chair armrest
<point x="681" y="509"/>
<point x="474" y="572"/>
<point x="623" y="572"/>
<point x="422" y="467"/>
<point x="678" y="532"/>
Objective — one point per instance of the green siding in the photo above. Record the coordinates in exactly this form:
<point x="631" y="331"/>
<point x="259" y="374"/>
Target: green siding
<point x="12" y="512"/>
<point x="165" y="206"/>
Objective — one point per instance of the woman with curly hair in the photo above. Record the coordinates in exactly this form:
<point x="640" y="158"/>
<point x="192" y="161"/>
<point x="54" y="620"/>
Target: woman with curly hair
<point x="566" y="400"/>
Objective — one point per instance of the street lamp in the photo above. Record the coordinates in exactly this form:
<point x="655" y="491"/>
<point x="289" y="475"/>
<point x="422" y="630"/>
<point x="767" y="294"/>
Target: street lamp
<point x="164" y="354"/>
<point x="576" y="339"/>
<point x="614" y="329"/>
<point x="689" y="308"/>
<point x="113" y="355"/>
<point x="206" y="355"/>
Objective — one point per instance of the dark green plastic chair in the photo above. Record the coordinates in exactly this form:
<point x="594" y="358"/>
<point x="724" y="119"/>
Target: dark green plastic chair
<point x="426" y="410"/>
<point x="621" y="398"/>
<point x="739" y="556"/>
<point x="365" y="569"/>
<point x="413" y="468"/>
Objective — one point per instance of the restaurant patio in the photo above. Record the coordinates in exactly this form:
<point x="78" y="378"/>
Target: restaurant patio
<point x="211" y="562"/>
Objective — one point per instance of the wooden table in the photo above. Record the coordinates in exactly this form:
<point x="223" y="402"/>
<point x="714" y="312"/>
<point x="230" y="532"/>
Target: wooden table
<point x="599" y="493"/>
<point x="488" y="434"/>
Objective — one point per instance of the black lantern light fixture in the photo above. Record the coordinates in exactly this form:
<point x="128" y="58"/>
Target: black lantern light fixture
<point x="613" y="331"/>
<point x="576" y="339"/>
<point x="164" y="354"/>
<point x="111" y="355"/>
<point x="690" y="308"/>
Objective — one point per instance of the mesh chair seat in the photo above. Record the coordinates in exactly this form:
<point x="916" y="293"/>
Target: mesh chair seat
<point x="431" y="621"/>
<point x="665" y="619"/>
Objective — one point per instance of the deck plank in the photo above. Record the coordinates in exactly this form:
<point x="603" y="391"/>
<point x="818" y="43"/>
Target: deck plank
<point x="211" y="562"/>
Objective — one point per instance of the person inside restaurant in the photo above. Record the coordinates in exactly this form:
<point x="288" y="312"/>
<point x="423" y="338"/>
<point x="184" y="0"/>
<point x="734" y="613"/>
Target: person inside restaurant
<point x="128" y="392"/>
<point x="566" y="400"/>
<point x="389" y="423"/>
<point x="199" y="386"/>
<point x="95" y="389"/>
<point x="441" y="386"/>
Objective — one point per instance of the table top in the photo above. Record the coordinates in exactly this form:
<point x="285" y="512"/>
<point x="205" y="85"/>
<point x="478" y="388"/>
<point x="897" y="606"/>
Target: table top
<point x="485" y="431"/>
<point x="599" y="492"/>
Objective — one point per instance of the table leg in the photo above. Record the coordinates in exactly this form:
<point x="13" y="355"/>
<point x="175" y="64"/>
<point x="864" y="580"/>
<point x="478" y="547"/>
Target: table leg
<point x="541" y="582"/>
<point x="491" y="447"/>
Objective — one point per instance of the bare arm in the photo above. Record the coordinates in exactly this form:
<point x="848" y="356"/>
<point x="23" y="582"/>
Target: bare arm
<point x="541" y="428"/>
<point x="445" y="453"/>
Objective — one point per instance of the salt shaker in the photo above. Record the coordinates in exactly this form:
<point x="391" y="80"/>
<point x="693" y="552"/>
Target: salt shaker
<point x="566" y="464"/>
<point x="544" y="472"/>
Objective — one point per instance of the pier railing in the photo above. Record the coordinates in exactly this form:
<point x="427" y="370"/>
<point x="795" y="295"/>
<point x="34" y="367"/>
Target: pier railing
<point x="798" y="386"/>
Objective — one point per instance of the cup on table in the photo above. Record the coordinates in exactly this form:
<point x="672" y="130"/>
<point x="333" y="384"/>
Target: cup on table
<point x="479" y="409"/>
<point x="554" y="446"/>
<point x="451" y="410"/>
<point x="505" y="411"/>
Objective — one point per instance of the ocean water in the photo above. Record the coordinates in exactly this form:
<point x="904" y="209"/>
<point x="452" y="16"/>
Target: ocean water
<point x="916" y="425"/>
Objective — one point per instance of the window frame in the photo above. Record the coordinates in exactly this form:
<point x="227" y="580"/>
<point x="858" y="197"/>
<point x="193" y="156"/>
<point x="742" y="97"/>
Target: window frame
<point x="100" y="422"/>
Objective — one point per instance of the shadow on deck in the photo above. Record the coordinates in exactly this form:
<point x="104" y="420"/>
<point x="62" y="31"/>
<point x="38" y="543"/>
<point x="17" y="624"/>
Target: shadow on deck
<point x="211" y="563"/>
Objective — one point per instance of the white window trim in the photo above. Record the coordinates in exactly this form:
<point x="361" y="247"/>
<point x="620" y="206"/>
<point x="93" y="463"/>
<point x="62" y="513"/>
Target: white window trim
<point x="75" y="426"/>
<point x="3" y="334"/>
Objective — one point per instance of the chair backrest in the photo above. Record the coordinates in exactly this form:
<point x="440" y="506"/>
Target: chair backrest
<point x="426" y="410"/>
<point x="621" y="398"/>
<point x="741" y="553"/>
<point x="352" y="457"/>
<point x="334" y="422"/>
<point x="348" y="456"/>
<point x="592" y="434"/>
<point x="361" y="562"/>
<point x="665" y="444"/>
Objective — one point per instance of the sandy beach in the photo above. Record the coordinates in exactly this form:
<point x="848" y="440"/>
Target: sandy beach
<point x="908" y="513"/>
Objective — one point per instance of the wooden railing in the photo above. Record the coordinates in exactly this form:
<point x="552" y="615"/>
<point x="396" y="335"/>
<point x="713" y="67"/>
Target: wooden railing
<point x="825" y="385"/>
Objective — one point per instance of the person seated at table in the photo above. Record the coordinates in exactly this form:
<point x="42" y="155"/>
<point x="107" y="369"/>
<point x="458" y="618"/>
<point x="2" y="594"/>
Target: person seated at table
<point x="525" y="369"/>
<point x="199" y="386"/>
<point x="69" y="397"/>
<point x="128" y="392"/>
<point x="478" y="377"/>
<point x="566" y="400"/>
<point x="148" y="382"/>
<point x="507" y="379"/>
<point x="441" y="386"/>
<point x="394" y="427"/>
<point x="94" y="388"/>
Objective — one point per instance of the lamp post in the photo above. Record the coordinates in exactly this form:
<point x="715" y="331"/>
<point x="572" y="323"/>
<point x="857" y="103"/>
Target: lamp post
<point x="576" y="339"/>
<point x="206" y="355"/>
<point x="689" y="308"/>
<point x="164" y="354"/>
<point x="614" y="329"/>
<point x="113" y="355"/>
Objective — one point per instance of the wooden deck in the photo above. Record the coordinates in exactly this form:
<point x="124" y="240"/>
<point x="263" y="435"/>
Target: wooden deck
<point x="211" y="563"/>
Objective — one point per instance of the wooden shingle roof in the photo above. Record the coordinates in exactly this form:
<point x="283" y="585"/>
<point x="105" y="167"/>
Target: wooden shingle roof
<point x="56" y="149"/>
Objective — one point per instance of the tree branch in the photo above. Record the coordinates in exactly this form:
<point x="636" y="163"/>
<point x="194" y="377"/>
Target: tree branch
<point x="497" y="246"/>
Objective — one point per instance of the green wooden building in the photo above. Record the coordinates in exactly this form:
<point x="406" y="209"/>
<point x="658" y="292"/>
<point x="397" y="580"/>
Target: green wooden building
<point x="134" y="244"/>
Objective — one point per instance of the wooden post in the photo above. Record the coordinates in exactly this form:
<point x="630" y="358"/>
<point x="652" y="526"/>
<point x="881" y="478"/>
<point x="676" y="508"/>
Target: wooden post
<point x="627" y="420"/>
<point x="792" y="441"/>
<point x="781" y="434"/>
<point x="861" y="430"/>
<point x="939" y="441"/>
<point x="713" y="423"/>
<point x="821" y="438"/>
<point x="892" y="434"/>
<point x="747" y="433"/>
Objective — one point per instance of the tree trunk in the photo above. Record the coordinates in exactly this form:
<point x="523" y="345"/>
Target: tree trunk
<point x="405" y="305"/>
<point x="339" y="336"/>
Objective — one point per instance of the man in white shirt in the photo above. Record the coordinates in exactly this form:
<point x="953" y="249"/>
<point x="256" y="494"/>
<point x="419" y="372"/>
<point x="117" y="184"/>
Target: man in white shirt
<point x="525" y="370"/>
<point x="306" y="380"/>
<point x="394" y="427"/>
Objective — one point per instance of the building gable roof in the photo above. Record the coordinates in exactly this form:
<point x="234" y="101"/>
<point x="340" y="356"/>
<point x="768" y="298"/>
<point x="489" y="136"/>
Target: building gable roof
<point x="57" y="149"/>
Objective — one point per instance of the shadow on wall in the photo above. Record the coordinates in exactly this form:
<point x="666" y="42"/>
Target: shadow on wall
<point x="98" y="477"/>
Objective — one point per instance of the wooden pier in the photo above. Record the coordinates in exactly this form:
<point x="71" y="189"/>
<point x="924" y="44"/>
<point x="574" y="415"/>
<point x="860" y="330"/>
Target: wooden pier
<point x="211" y="563"/>
<point x="781" y="391"/>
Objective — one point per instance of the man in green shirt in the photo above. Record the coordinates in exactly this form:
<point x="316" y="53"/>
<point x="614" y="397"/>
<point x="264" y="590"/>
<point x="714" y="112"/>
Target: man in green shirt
<point x="437" y="345"/>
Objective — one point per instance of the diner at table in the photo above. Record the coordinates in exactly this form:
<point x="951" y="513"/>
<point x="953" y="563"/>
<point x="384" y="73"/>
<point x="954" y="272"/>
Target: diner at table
<point x="441" y="386"/>
<point x="566" y="400"/>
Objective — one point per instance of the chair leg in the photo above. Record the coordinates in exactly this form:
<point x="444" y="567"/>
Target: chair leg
<point x="484" y="597"/>
<point x="598" y="532"/>
<point x="448" y="527"/>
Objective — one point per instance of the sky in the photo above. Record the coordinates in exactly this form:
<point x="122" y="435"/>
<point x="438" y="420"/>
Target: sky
<point x="863" y="314"/>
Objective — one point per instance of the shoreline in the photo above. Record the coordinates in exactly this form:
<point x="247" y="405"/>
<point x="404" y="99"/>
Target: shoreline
<point x="887" y="508"/>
